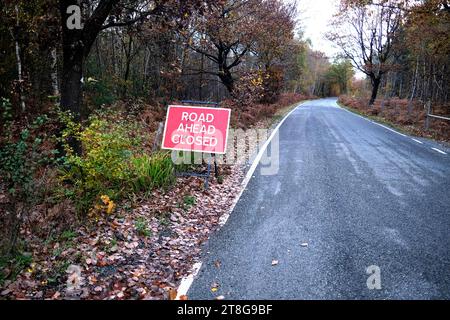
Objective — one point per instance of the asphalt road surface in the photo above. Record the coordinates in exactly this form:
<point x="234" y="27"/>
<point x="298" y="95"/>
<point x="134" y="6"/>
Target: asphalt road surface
<point x="359" y="195"/>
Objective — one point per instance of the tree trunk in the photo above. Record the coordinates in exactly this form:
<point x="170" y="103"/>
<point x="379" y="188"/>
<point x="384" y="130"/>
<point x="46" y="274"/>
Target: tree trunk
<point x="128" y="58"/>
<point x="15" y="35"/>
<point x="224" y="72"/>
<point x="71" y="92"/>
<point x="375" y="86"/>
<point x="54" y="72"/>
<point x="200" y="87"/>
<point x="76" y="45"/>
<point x="227" y="79"/>
<point x="73" y="48"/>
<point x="71" y="86"/>
<point x="414" y="85"/>
<point x="19" y="73"/>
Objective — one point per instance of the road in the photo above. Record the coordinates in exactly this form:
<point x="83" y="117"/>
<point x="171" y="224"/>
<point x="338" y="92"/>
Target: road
<point x="359" y="195"/>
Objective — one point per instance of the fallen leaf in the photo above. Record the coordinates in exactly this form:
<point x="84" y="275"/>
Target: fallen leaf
<point x="5" y="292"/>
<point x="172" y="294"/>
<point x="56" y="295"/>
<point x="214" y="287"/>
<point x="98" y="289"/>
<point x="184" y="297"/>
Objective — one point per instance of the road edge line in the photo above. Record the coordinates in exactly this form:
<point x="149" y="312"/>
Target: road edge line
<point x="372" y="121"/>
<point x="223" y="220"/>
<point x="392" y="130"/>
<point x="440" y="151"/>
<point x="187" y="281"/>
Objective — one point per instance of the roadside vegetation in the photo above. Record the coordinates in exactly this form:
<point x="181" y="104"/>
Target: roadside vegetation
<point x="84" y="185"/>
<point x="396" y="113"/>
<point x="403" y="49"/>
<point x="90" y="206"/>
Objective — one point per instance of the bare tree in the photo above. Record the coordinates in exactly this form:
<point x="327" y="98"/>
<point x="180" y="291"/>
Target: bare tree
<point x="365" y="34"/>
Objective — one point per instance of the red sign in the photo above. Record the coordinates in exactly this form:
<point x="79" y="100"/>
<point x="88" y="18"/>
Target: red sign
<point x="196" y="129"/>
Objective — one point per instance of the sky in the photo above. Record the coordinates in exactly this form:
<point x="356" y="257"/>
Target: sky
<point x="314" y="17"/>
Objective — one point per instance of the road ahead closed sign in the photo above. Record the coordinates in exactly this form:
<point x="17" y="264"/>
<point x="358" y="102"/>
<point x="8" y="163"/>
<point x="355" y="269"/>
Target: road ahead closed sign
<point x="196" y="129"/>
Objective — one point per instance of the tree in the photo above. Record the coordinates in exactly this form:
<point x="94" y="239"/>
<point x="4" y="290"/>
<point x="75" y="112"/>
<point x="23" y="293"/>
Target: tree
<point x="224" y="34"/>
<point x="77" y="40"/>
<point x="277" y="31"/>
<point x="364" y="31"/>
<point x="272" y="42"/>
<point x="340" y="74"/>
<point x="429" y="54"/>
<point x="228" y="32"/>
<point x="77" y="43"/>
<point x="26" y="36"/>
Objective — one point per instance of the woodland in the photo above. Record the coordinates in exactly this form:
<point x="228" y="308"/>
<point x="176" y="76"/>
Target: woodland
<point x="83" y="182"/>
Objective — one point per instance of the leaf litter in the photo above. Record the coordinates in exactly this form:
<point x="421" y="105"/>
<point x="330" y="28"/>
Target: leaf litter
<point x="111" y="259"/>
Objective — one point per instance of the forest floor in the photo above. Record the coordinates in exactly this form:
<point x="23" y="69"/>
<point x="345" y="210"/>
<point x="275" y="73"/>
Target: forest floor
<point x="394" y="112"/>
<point x="140" y="251"/>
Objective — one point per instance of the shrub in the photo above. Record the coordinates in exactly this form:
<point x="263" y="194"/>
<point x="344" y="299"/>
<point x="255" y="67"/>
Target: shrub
<point x="21" y="159"/>
<point x="103" y="166"/>
<point x="10" y="267"/>
<point x="273" y="80"/>
<point x="245" y="116"/>
<point x="397" y="111"/>
<point x="6" y="110"/>
<point x="98" y="93"/>
<point x="112" y="165"/>
<point x="189" y="201"/>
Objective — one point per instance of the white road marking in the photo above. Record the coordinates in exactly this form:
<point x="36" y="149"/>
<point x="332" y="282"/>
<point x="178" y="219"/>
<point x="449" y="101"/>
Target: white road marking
<point x="264" y="147"/>
<point x="440" y="151"/>
<point x="186" y="282"/>
<point x="223" y="220"/>
<point x="387" y="128"/>
<point x="374" y="122"/>
<point x="403" y="135"/>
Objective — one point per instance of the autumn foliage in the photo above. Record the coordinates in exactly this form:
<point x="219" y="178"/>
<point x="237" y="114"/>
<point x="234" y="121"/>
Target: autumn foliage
<point x="398" y="112"/>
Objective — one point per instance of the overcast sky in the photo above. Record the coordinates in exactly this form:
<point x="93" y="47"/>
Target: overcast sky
<point x="314" y="16"/>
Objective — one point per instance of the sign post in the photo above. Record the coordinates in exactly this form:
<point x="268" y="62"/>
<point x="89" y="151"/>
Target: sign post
<point x="197" y="129"/>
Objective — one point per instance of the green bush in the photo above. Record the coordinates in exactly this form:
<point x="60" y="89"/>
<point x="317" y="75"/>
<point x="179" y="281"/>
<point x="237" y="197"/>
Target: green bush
<point x="112" y="163"/>
<point x="189" y="201"/>
<point x="11" y="266"/>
